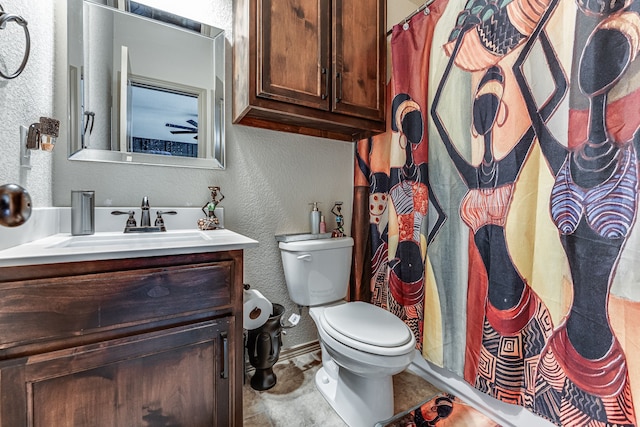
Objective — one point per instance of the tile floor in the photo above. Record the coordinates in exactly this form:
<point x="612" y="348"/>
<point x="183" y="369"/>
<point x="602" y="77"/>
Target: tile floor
<point x="294" y="400"/>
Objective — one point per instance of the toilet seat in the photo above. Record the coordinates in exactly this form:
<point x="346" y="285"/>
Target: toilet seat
<point x="367" y="328"/>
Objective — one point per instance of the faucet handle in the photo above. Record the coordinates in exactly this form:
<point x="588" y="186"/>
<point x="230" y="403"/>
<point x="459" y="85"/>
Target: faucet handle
<point x="131" y="221"/>
<point x="160" y="221"/>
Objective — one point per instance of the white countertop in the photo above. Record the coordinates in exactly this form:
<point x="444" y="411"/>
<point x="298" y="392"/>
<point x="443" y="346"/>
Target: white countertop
<point x="46" y="238"/>
<point x="63" y="247"/>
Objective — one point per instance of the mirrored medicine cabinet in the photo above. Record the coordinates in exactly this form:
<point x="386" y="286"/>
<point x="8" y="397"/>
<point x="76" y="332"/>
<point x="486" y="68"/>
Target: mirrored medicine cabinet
<point x="145" y="86"/>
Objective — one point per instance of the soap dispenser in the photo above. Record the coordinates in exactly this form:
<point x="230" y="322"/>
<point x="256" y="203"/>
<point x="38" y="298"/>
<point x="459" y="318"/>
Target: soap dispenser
<point x="314" y="218"/>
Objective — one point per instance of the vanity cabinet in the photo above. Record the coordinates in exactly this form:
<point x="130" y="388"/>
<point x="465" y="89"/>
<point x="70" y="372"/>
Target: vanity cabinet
<point x="315" y="67"/>
<point x="153" y="341"/>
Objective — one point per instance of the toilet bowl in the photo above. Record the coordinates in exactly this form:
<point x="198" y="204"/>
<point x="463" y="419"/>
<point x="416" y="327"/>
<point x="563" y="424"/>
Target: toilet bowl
<point x="362" y="345"/>
<point x="356" y="376"/>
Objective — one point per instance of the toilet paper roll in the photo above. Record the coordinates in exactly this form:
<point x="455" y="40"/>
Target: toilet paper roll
<point x="256" y="309"/>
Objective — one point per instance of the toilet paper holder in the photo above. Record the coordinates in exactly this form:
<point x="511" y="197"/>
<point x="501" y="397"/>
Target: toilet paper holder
<point x="291" y="322"/>
<point x="288" y="323"/>
<point x="256" y="309"/>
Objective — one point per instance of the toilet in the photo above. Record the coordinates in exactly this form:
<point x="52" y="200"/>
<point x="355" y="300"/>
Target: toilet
<point x="362" y="345"/>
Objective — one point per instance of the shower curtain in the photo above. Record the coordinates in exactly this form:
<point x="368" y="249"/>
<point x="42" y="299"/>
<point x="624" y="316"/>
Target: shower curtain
<point x="513" y="255"/>
<point x="394" y="167"/>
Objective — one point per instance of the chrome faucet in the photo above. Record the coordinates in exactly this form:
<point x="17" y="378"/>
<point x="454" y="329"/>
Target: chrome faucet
<point x="145" y="219"/>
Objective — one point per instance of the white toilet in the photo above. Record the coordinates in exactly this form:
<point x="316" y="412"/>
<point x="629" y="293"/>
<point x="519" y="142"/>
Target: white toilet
<point x="363" y="345"/>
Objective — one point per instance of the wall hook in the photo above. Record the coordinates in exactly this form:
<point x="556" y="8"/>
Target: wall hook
<point x="8" y="17"/>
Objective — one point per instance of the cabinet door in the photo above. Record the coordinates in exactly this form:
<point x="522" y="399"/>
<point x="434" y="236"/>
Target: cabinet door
<point x="293" y="51"/>
<point x="359" y="62"/>
<point x="179" y="376"/>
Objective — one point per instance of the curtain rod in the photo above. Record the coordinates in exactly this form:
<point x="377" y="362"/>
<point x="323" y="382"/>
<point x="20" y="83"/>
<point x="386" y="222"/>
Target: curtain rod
<point x="420" y="9"/>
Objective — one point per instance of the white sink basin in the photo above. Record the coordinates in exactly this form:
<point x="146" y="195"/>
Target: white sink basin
<point x="132" y="239"/>
<point x="63" y="247"/>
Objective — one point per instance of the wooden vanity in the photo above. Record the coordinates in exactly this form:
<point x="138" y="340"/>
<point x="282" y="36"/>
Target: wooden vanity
<point x="147" y="341"/>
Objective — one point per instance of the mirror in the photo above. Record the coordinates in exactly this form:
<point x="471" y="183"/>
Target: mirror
<point x="145" y="86"/>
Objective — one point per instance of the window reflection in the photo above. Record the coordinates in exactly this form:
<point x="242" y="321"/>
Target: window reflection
<point x="163" y="121"/>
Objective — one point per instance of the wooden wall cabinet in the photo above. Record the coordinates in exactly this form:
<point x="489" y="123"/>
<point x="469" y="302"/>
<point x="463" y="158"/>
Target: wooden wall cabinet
<point x="146" y="341"/>
<point x="315" y="67"/>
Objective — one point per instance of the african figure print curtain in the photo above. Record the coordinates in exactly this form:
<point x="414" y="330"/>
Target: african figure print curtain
<point x="531" y="279"/>
<point x="394" y="167"/>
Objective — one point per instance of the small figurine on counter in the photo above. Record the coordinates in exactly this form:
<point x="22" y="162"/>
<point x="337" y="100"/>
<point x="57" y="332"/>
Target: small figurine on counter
<point x="211" y="222"/>
<point x="337" y="211"/>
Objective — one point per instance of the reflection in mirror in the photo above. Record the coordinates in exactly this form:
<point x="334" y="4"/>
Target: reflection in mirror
<point x="154" y="112"/>
<point x="145" y="86"/>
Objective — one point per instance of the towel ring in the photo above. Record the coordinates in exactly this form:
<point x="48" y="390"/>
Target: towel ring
<point x="8" y="17"/>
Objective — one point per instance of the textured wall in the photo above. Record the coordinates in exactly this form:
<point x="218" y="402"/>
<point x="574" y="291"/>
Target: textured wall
<point x="269" y="180"/>
<point x="27" y="97"/>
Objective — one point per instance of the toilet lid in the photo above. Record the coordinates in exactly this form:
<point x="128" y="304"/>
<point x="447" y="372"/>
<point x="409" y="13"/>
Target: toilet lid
<point x="366" y="323"/>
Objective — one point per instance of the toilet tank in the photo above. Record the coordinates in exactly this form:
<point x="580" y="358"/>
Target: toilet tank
<point x="317" y="271"/>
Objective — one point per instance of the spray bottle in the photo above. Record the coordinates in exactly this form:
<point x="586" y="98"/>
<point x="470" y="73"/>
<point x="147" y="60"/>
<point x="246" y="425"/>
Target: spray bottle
<point x="314" y="218"/>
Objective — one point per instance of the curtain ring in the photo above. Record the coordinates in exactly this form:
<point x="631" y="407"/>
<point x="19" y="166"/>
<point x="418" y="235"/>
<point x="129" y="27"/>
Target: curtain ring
<point x="8" y="17"/>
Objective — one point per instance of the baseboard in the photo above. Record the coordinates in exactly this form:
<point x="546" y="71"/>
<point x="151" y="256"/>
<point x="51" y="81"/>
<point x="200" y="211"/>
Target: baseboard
<point x="298" y="350"/>
<point x="289" y="353"/>
<point x="503" y="413"/>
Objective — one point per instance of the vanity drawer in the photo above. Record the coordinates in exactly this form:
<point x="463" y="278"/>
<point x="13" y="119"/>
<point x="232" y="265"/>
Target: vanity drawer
<point x="39" y="310"/>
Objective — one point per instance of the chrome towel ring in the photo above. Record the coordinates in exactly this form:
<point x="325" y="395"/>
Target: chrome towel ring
<point x="8" y="17"/>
